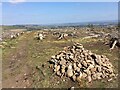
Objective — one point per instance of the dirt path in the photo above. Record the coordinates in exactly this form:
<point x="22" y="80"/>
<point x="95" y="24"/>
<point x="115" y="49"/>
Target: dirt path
<point x="15" y="68"/>
<point x="19" y="64"/>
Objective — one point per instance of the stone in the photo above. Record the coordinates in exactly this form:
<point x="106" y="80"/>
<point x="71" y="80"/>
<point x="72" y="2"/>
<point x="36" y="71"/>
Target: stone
<point x="58" y="57"/>
<point x="74" y="66"/>
<point x="69" y="72"/>
<point x="82" y="56"/>
<point x="89" y="57"/>
<point x="79" y="78"/>
<point x="103" y="56"/>
<point x="72" y="88"/>
<point x="94" y="56"/>
<point x="79" y="65"/>
<point x="102" y="60"/>
<point x="98" y="61"/>
<point x="103" y="75"/>
<point x="98" y="68"/>
<point x="71" y="57"/>
<point x="84" y="64"/>
<point x="87" y="71"/>
<point x="73" y="51"/>
<point x="94" y="77"/>
<point x="98" y="57"/>
<point x="110" y="79"/>
<point x="63" y="62"/>
<point x="93" y="70"/>
<point x="84" y="75"/>
<point x="109" y="65"/>
<point x="85" y="54"/>
<point x="98" y="75"/>
<point x="74" y="78"/>
<point x="58" y="73"/>
<point x="110" y="70"/>
<point x="89" y="79"/>
<point x="112" y="75"/>
<point x="53" y="57"/>
<point x="67" y="57"/>
<point x="63" y="70"/>
<point x="57" y="68"/>
<point x="77" y="69"/>
<point x="80" y="46"/>
<point x="91" y="66"/>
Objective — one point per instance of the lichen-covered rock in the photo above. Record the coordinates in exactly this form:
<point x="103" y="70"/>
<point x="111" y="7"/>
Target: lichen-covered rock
<point x="56" y="68"/>
<point x="98" y="68"/>
<point x="78" y="78"/>
<point x="58" y="73"/>
<point x="70" y="71"/>
<point x="84" y="63"/>
<point x="63" y="62"/>
<point x="63" y="69"/>
<point x="89" y="78"/>
<point x="79" y="65"/>
<point x="74" y="78"/>
<point x="84" y="75"/>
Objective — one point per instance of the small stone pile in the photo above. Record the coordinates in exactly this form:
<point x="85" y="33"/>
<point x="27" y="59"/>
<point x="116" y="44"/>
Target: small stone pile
<point x="77" y="63"/>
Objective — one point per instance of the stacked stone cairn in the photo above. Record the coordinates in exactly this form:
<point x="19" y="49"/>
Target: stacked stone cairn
<point x="77" y="63"/>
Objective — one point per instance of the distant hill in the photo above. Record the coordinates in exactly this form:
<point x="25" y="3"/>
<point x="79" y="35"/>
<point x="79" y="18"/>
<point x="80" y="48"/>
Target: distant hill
<point x="37" y="26"/>
<point x="113" y="22"/>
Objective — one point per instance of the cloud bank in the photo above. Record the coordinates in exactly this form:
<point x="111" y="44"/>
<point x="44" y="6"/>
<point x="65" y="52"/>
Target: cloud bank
<point x="17" y="1"/>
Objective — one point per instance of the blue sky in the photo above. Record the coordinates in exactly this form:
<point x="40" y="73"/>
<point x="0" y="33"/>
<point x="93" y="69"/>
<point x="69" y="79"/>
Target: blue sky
<point x="59" y="12"/>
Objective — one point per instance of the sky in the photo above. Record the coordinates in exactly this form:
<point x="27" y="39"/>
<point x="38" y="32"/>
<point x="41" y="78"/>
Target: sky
<point x="57" y="12"/>
<point x="60" y="0"/>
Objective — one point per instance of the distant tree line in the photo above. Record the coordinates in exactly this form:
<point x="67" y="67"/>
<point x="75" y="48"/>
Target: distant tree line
<point x="13" y="27"/>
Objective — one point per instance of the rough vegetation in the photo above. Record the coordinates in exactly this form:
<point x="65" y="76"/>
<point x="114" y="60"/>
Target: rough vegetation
<point x="25" y="59"/>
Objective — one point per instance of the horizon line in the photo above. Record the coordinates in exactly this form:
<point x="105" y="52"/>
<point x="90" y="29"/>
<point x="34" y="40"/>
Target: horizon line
<point x="101" y="21"/>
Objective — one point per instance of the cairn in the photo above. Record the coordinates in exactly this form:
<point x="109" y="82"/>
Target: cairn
<point x="77" y="63"/>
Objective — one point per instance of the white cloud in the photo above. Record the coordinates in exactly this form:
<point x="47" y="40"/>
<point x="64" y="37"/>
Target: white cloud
<point x="60" y="1"/>
<point x="16" y="1"/>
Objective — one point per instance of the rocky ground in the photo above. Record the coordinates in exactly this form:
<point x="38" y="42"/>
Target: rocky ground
<point x="77" y="63"/>
<point x="25" y="62"/>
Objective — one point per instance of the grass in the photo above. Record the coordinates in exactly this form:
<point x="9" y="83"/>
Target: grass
<point x="37" y="53"/>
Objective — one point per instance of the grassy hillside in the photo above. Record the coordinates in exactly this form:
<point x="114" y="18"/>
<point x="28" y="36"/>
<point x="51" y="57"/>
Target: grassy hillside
<point x="23" y="56"/>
